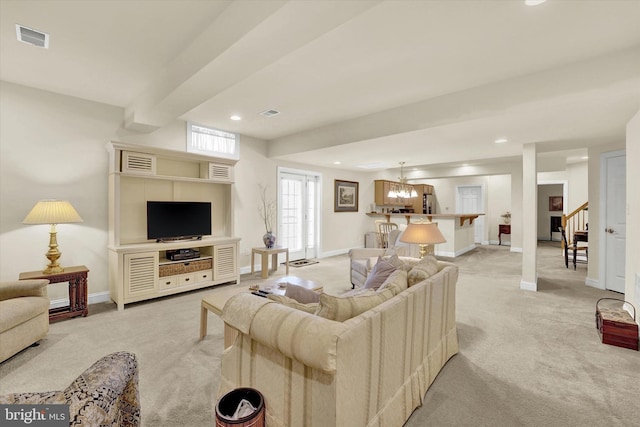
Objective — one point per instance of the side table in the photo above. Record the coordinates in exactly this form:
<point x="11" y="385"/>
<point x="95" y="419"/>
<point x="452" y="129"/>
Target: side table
<point x="77" y="278"/>
<point x="265" y="252"/>
<point x="503" y="229"/>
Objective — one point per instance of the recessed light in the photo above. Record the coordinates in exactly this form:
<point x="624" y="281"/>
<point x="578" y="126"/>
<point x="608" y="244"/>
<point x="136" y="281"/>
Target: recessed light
<point x="533" y="2"/>
<point x="235" y="117"/>
<point x="500" y="140"/>
<point x="336" y="163"/>
<point x="465" y="164"/>
<point x="585" y="157"/>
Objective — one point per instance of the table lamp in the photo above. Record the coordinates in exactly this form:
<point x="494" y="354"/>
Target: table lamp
<point x="422" y="235"/>
<point x="52" y="212"/>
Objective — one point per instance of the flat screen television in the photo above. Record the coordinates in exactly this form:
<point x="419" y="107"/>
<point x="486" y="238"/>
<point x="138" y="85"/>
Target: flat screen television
<point x="178" y="220"/>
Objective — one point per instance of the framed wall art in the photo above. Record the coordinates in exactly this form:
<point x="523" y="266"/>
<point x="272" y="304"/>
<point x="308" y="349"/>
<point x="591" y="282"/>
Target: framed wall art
<point x="555" y="203"/>
<point x="345" y="196"/>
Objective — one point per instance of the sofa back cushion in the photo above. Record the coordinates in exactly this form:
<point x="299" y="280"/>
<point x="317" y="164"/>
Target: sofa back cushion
<point x="397" y="281"/>
<point x="290" y="302"/>
<point x="343" y="308"/>
<point x="301" y="294"/>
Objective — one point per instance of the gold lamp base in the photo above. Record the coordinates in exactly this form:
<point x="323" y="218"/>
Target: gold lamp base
<point x="53" y="254"/>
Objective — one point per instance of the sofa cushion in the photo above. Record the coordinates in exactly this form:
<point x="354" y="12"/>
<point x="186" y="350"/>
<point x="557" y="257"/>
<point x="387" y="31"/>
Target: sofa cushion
<point x="379" y="274"/>
<point x="427" y="267"/>
<point x="343" y="308"/>
<point x="397" y="281"/>
<point x="301" y="294"/>
<point x="290" y="302"/>
<point x="16" y="311"/>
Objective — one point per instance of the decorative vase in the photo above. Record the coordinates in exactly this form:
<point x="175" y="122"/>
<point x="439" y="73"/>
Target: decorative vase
<point x="269" y="239"/>
<point x="507" y="219"/>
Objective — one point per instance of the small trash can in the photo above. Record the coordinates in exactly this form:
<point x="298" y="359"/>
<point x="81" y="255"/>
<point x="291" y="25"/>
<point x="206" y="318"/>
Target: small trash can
<point x="227" y="405"/>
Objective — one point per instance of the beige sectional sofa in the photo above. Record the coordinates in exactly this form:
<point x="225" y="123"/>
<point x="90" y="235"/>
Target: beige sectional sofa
<point x="370" y="370"/>
<point x="24" y="315"/>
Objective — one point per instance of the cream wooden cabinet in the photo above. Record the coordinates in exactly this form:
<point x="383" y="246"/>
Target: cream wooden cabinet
<point x="138" y="268"/>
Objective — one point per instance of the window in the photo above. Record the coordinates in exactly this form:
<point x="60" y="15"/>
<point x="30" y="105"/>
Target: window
<point x="212" y="142"/>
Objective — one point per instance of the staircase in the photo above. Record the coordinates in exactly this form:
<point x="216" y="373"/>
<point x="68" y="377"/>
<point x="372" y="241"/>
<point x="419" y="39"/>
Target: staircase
<point x="575" y="221"/>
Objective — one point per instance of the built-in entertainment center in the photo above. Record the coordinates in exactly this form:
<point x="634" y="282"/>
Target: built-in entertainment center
<point x="160" y="242"/>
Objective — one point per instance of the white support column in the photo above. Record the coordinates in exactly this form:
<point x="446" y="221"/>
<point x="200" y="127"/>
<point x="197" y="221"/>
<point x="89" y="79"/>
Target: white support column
<point x="516" y="208"/>
<point x="529" y="279"/>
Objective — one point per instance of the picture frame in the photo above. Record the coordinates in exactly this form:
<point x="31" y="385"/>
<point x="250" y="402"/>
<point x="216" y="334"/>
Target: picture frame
<point x="555" y="203"/>
<point x="345" y="196"/>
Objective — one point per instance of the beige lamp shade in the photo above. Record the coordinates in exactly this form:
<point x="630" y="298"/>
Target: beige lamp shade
<point x="52" y="212"/>
<point x="422" y="235"/>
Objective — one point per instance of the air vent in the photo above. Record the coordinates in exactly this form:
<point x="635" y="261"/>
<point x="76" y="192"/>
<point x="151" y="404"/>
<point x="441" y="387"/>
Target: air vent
<point x="138" y="163"/>
<point x="270" y="113"/>
<point x="220" y="172"/>
<point x="31" y="36"/>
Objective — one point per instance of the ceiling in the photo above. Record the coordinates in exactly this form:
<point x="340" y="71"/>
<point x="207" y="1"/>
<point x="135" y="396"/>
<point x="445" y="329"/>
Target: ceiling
<point x="361" y="82"/>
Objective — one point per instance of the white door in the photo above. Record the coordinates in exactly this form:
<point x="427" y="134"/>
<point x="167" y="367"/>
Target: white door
<point x="615" y="222"/>
<point x="298" y="214"/>
<point x="470" y="200"/>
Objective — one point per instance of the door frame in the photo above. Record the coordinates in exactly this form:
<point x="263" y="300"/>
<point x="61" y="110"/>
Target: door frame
<point x="318" y="200"/>
<point x="602" y="247"/>
<point x="565" y="193"/>
<point x="483" y="198"/>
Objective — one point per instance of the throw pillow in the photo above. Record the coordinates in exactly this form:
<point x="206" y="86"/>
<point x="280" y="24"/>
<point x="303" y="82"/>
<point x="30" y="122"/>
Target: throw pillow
<point x="379" y="274"/>
<point x="301" y="294"/>
<point x="344" y="308"/>
<point x="290" y="302"/>
<point x="397" y="281"/>
<point x="394" y="260"/>
<point x="427" y="267"/>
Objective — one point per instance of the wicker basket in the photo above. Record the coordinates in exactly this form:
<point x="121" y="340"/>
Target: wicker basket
<point x="185" y="267"/>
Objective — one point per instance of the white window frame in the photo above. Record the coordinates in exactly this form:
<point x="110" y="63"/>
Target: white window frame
<point x="234" y="154"/>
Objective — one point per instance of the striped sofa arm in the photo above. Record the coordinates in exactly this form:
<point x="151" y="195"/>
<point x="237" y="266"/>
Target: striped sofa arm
<point x="309" y="339"/>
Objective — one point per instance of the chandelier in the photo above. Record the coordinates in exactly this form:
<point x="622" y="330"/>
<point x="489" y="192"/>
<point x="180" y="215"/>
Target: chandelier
<point x="402" y="190"/>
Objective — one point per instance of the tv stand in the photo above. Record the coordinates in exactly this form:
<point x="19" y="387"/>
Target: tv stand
<point x="138" y="267"/>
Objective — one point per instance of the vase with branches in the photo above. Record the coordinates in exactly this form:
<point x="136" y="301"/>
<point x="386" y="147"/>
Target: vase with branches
<point x="506" y="217"/>
<point x="267" y="210"/>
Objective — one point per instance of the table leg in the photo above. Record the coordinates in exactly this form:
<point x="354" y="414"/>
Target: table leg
<point x="265" y="265"/>
<point x="73" y="295"/>
<point x="274" y="262"/>
<point x="287" y="264"/>
<point x="499" y="239"/>
<point x="252" y="261"/>
<point x="203" y="321"/>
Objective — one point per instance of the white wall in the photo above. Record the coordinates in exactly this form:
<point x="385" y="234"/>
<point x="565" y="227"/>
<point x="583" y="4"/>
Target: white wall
<point x="497" y="198"/>
<point x="53" y="146"/>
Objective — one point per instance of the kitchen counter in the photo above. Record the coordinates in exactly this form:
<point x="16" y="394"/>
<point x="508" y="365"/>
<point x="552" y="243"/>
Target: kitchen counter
<point x="457" y="229"/>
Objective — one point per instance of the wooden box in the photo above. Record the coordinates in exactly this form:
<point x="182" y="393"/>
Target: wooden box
<point x="615" y="325"/>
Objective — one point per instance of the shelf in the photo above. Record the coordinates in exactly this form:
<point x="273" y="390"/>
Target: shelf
<point x="165" y="261"/>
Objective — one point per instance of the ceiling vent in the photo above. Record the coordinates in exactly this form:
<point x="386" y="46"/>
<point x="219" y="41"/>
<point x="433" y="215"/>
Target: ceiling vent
<point x="28" y="35"/>
<point x="270" y="113"/>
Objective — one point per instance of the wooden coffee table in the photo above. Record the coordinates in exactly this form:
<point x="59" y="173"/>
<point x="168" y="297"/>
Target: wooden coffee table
<point x="215" y="301"/>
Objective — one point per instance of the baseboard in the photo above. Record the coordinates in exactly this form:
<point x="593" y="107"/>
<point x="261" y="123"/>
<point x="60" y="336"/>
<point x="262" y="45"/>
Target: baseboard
<point x="529" y="286"/>
<point x="91" y="299"/>
<point x="336" y="252"/>
<point x="593" y="283"/>
<point x="516" y="249"/>
<point x="497" y="242"/>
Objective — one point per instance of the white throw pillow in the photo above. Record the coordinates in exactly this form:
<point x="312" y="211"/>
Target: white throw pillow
<point x="427" y="267"/>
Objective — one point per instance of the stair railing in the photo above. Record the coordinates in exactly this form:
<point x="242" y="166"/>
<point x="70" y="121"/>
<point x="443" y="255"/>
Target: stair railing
<point x="575" y="221"/>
